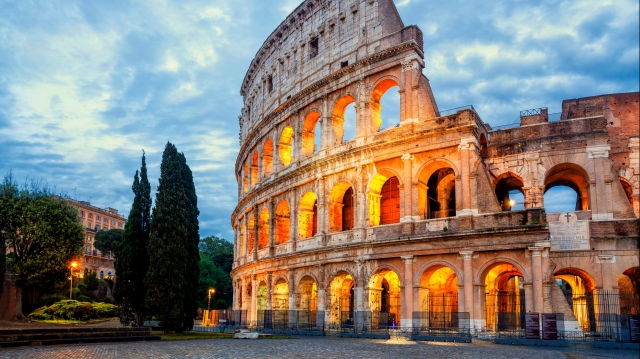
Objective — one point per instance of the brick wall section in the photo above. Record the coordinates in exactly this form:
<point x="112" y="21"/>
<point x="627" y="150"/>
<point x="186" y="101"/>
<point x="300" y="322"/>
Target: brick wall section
<point x="7" y="300"/>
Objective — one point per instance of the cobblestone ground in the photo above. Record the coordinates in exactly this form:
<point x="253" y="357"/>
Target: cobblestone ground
<point x="326" y="348"/>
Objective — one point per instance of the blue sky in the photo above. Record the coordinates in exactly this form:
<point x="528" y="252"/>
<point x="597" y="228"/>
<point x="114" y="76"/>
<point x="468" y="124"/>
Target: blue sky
<point x="86" y="85"/>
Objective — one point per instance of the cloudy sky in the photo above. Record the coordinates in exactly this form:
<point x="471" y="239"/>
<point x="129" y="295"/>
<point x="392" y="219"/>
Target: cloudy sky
<point x="86" y="85"/>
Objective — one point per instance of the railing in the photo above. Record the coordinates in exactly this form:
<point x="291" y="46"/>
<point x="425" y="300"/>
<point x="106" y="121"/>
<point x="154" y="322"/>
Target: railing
<point x="532" y="112"/>
<point x="455" y="110"/>
<point x="441" y="324"/>
<point x="365" y="322"/>
<point x="290" y="320"/>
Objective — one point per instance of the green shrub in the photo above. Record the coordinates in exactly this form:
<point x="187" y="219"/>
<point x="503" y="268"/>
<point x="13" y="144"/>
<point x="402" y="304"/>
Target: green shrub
<point x="75" y="310"/>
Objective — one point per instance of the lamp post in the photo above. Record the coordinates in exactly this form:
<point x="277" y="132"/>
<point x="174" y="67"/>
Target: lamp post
<point x="211" y="291"/>
<point x="73" y="265"/>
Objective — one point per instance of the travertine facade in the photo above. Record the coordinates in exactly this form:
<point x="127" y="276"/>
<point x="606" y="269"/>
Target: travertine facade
<point x="415" y="217"/>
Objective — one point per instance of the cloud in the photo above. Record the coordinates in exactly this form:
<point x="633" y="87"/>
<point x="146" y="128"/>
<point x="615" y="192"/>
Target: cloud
<point x="86" y="85"/>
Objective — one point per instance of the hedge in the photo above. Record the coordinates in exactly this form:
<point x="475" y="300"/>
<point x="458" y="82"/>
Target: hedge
<point x="75" y="310"/>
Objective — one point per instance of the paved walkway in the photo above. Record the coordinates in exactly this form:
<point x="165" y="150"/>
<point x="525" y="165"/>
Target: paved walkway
<point x="326" y="348"/>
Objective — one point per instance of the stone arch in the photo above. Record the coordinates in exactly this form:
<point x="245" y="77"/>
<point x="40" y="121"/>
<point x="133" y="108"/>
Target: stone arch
<point x="243" y="237"/>
<point x="283" y="222"/>
<point x="308" y="216"/>
<point x="384" y="194"/>
<point x="263" y="229"/>
<point x="629" y="289"/>
<point x="503" y="281"/>
<point x="483" y="270"/>
<point x="342" y="296"/>
<point x="438" y="293"/>
<point x="379" y="89"/>
<point x="285" y="147"/>
<point x="418" y="274"/>
<point x="578" y="286"/>
<point x="280" y="293"/>
<point x="341" y="208"/>
<point x="628" y="189"/>
<point x="246" y="177"/>
<point x="309" y="133"/>
<point x="505" y="183"/>
<point x="267" y="158"/>
<point x="250" y="232"/>
<point x="262" y="295"/>
<point x="573" y="176"/>
<point x="254" y="168"/>
<point x="307" y="293"/>
<point x="436" y="189"/>
<point x="337" y="116"/>
<point x="384" y="293"/>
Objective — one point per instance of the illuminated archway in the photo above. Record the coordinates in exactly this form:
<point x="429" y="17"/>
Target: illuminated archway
<point x="341" y="207"/>
<point x="384" y="296"/>
<point x="437" y="190"/>
<point x="506" y="189"/>
<point x="308" y="216"/>
<point x="246" y="177"/>
<point x="281" y="295"/>
<point x="283" y="222"/>
<point x="254" y="169"/>
<point x="309" y="134"/>
<point x="577" y="288"/>
<point x="338" y="117"/>
<point x="628" y="190"/>
<point x="250" y="233"/>
<point x="307" y="296"/>
<point x="505" y="300"/>
<point x="376" y="96"/>
<point x="263" y="229"/>
<point x="384" y="198"/>
<point x="243" y="238"/>
<point x="262" y="297"/>
<point x="267" y="158"/>
<point x="571" y="176"/>
<point x="438" y="296"/>
<point x="629" y="289"/>
<point x="342" y="298"/>
<point x="285" y="147"/>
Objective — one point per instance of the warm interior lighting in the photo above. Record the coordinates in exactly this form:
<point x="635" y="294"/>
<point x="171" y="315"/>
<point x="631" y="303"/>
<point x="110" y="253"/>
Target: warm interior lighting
<point x="512" y="203"/>
<point x="74" y="264"/>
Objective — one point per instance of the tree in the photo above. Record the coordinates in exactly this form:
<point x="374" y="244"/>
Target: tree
<point x="42" y="231"/>
<point x="89" y="281"/>
<point x="215" y="269"/>
<point x="132" y="255"/>
<point x="107" y="241"/>
<point x="173" y="261"/>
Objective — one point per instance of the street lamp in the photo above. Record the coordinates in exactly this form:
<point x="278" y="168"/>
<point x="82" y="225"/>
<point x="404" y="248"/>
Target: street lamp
<point x="73" y="265"/>
<point x="211" y="291"/>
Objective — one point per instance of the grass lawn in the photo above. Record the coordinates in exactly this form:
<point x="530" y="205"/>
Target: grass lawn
<point x="192" y="335"/>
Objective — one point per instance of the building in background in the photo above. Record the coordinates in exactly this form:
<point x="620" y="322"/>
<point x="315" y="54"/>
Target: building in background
<point x="93" y="220"/>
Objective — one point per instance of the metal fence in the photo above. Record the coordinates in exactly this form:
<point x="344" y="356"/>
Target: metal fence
<point x="441" y="324"/>
<point x="290" y="320"/>
<point x="364" y="322"/>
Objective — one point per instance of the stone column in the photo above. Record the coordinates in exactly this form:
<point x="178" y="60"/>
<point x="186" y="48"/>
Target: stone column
<point x="467" y="145"/>
<point x="606" y="262"/>
<point x="536" y="274"/>
<point x="252" y="312"/>
<point x="600" y="204"/>
<point x="322" y="306"/>
<point x="360" y="299"/>
<point x="269" y="291"/>
<point x="272" y="224"/>
<point x="322" y="210"/>
<point x="479" y="321"/>
<point x="293" y="219"/>
<point x="256" y="231"/>
<point x="467" y="257"/>
<point x="292" y="299"/>
<point x="407" y="304"/>
<point x="246" y="235"/>
<point x="407" y="196"/>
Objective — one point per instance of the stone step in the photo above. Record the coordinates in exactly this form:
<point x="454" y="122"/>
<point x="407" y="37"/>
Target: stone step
<point x="89" y="340"/>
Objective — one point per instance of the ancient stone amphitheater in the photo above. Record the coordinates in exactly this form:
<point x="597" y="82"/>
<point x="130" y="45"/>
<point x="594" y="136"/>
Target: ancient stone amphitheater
<point x="415" y="220"/>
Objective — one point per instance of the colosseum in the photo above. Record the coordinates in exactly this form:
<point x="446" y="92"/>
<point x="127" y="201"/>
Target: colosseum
<point x="434" y="218"/>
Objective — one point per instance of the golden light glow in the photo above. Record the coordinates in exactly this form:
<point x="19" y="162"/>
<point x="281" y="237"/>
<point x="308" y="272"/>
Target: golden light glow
<point x="512" y="203"/>
<point x="74" y="264"/>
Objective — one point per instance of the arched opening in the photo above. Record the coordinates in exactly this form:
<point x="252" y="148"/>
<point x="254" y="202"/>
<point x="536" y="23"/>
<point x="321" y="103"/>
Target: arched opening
<point x="281" y="295"/>
<point x="285" y="147"/>
<point x="309" y="134"/>
<point x="267" y="158"/>
<point x="246" y="177"/>
<point x="283" y="222"/>
<point x="343" y="119"/>
<point x="263" y="229"/>
<point x="342" y="299"/>
<point x="628" y="190"/>
<point x="384" y="298"/>
<point x="438" y="296"/>
<point x="504" y="297"/>
<point x="384" y="198"/>
<point x="390" y="108"/>
<point x="376" y="97"/>
<point x="629" y="289"/>
<point x="509" y="193"/>
<point x="250" y="233"/>
<point x="341" y="211"/>
<point x="307" y="295"/>
<point x="437" y="191"/>
<point x="261" y="302"/>
<point x="243" y="238"/>
<point x="577" y="287"/>
<point x="566" y="189"/>
<point x="308" y="216"/>
<point x="254" y="169"/>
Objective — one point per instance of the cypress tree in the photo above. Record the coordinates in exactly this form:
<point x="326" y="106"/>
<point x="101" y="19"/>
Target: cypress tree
<point x="172" y="278"/>
<point x="132" y="256"/>
<point x="192" y="243"/>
